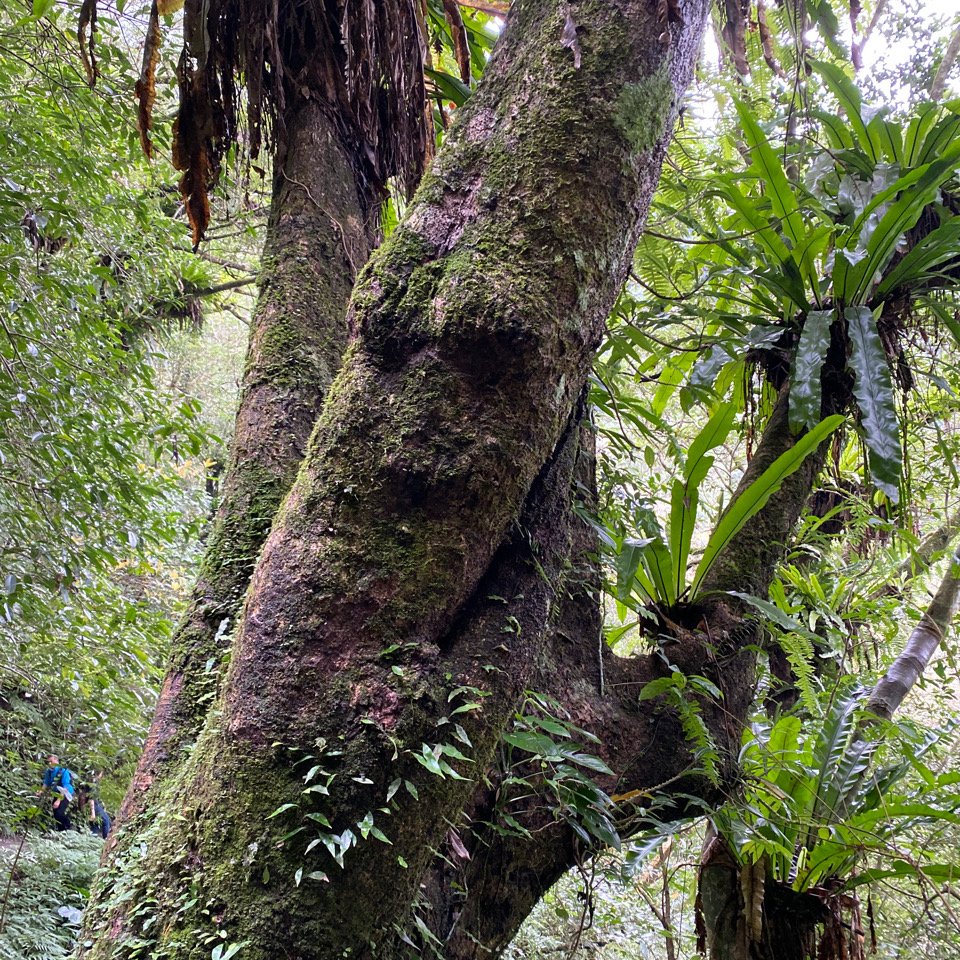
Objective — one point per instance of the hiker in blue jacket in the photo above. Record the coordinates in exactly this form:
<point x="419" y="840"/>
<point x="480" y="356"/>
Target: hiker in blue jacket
<point x="59" y="781"/>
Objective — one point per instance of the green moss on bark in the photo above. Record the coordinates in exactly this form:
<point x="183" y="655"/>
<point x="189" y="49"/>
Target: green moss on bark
<point x="643" y="108"/>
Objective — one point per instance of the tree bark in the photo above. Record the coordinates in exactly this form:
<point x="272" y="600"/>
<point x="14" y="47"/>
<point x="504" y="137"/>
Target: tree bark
<point x="409" y="577"/>
<point x="321" y="230"/>
<point x="903" y="674"/>
<point x="939" y="83"/>
<point x="475" y="906"/>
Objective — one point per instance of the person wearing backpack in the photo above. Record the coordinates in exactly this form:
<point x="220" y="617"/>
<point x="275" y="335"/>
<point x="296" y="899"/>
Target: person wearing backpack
<point x="88" y="801"/>
<point x="59" y="781"/>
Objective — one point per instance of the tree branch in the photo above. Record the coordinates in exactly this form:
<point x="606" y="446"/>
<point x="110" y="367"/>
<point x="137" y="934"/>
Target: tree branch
<point x="946" y="65"/>
<point x="223" y="287"/>
<point x="930" y="549"/>
<point x="907" y="669"/>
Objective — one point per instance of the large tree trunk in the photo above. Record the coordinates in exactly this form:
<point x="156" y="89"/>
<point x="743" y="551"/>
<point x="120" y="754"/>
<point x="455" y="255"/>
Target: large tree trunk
<point x="409" y="579"/>
<point x="323" y="224"/>
<point x="322" y="227"/>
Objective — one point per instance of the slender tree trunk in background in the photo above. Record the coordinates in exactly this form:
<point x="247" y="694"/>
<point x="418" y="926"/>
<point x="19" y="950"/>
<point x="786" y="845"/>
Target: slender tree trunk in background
<point x="321" y="230"/>
<point x="902" y="675"/>
<point x="939" y="84"/>
<point x="408" y="583"/>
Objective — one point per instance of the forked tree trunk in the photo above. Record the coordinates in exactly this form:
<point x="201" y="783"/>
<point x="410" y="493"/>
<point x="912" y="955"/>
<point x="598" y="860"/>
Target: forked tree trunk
<point x="475" y="904"/>
<point x="409" y="580"/>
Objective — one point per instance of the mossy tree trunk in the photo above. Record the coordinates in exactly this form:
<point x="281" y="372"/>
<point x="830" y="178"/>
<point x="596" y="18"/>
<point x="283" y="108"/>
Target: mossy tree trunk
<point x="406" y="593"/>
<point x="321" y="229"/>
<point x="480" y="888"/>
<point x="745" y="916"/>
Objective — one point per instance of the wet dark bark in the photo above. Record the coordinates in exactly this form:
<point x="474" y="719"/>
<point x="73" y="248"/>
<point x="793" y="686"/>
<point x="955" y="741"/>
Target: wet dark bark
<point x="322" y="227"/>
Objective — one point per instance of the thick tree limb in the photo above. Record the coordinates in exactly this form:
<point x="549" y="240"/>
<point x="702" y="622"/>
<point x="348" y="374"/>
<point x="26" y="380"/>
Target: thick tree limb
<point x="748" y="562"/>
<point x="476" y="906"/>
<point x="906" y="670"/>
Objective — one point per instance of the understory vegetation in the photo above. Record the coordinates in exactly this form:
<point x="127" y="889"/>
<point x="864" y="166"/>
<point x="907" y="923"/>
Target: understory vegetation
<point x="45" y="889"/>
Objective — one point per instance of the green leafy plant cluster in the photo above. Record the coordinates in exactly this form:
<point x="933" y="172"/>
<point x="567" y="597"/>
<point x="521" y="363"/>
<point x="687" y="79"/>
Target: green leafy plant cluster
<point x="47" y="893"/>
<point x="313" y="824"/>
<point x="654" y="569"/>
<point x="546" y="755"/>
<point x="817" y="807"/>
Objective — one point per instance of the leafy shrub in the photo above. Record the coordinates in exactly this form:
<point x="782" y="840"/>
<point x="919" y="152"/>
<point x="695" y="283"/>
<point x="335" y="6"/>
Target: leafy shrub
<point x="50" y="886"/>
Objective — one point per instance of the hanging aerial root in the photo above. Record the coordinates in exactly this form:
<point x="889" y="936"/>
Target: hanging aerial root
<point x="146" y="88"/>
<point x="86" y="33"/>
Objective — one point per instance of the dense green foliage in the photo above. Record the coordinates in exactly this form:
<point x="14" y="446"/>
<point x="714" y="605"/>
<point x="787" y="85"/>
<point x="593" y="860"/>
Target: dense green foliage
<point x="48" y="885"/>
<point x="101" y="462"/>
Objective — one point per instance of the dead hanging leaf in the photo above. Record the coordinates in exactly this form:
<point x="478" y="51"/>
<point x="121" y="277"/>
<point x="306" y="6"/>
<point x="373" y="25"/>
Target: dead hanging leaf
<point x="568" y="36"/>
<point x="191" y="154"/>
<point x="734" y="34"/>
<point x="146" y="88"/>
<point x="169" y="7"/>
<point x="257" y="61"/>
<point x="194" y="188"/>
<point x="458" y="32"/>
<point x="430" y="144"/>
<point x="456" y="844"/>
<point x="86" y="32"/>
<point x="766" y="41"/>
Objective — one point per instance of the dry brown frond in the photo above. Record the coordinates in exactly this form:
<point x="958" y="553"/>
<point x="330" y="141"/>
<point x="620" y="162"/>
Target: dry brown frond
<point x="146" y="89"/>
<point x="361" y="59"/>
